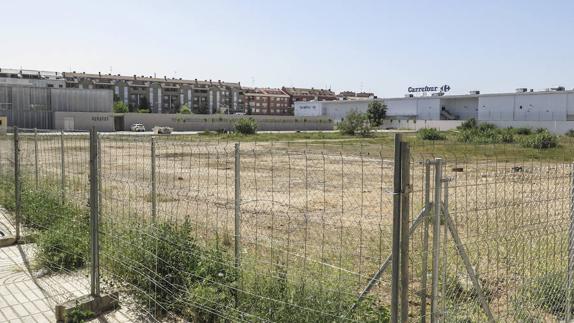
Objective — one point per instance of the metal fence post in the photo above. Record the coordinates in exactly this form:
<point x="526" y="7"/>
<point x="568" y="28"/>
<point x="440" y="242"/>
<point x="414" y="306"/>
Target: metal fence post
<point x="36" y="157"/>
<point x="153" y="181"/>
<point x="17" y="183"/>
<point x="237" y="206"/>
<point x="237" y="217"/>
<point x="396" y="232"/>
<point x="62" y="167"/>
<point x="405" y="191"/>
<point x="436" y="239"/>
<point x="94" y="215"/>
<point x="570" y="251"/>
<point x="425" y="248"/>
<point x="100" y="177"/>
<point x="154" y="215"/>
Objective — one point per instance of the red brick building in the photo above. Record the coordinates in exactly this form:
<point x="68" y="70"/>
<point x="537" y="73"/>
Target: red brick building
<point x="266" y="101"/>
<point x="301" y="94"/>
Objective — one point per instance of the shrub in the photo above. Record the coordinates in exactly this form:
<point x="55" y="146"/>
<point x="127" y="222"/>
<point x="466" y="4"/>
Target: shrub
<point x="64" y="246"/>
<point x="78" y="314"/>
<point x="506" y="136"/>
<point x="120" y="107"/>
<point x="246" y="126"/>
<point x="163" y="264"/>
<point x="570" y="133"/>
<point x="211" y="288"/>
<point x="278" y="298"/>
<point x="62" y="240"/>
<point x="185" y="109"/>
<point x="133" y="259"/>
<point x="7" y="198"/>
<point x="486" y="127"/>
<point x="143" y="110"/>
<point x="42" y="208"/>
<point x="468" y="124"/>
<point x="430" y="134"/>
<point x="522" y="131"/>
<point x="542" y="140"/>
<point x="355" y="123"/>
<point x="485" y="134"/>
<point x="540" y="130"/>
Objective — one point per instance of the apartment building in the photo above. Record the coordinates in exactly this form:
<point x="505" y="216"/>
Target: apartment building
<point x="164" y="95"/>
<point x="312" y="94"/>
<point x="266" y="101"/>
<point x="45" y="79"/>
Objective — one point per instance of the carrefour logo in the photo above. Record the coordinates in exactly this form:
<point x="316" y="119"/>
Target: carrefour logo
<point x="444" y="88"/>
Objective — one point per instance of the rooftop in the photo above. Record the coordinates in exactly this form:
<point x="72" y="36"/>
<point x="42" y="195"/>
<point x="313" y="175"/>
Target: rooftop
<point x="118" y="77"/>
<point x="265" y="92"/>
<point x="472" y="95"/>
<point x="305" y="91"/>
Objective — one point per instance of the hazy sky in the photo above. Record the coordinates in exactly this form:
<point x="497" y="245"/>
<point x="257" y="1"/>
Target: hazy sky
<point x="380" y="46"/>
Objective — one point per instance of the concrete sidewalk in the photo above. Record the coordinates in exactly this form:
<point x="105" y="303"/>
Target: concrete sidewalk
<point x="25" y="298"/>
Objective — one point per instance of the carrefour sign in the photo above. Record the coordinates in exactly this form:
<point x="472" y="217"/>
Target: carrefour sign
<point x="444" y="88"/>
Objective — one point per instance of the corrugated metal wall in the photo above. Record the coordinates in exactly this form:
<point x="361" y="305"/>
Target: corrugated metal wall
<point x="34" y="107"/>
<point x="26" y="107"/>
<point x="82" y="100"/>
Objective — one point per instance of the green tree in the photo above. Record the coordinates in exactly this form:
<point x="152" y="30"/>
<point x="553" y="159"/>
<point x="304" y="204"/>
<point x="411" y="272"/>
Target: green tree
<point x="185" y="109"/>
<point x="355" y="123"/>
<point x="376" y="113"/>
<point x="120" y="107"/>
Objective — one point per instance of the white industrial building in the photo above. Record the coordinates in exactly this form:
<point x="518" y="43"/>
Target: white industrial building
<point x="552" y="109"/>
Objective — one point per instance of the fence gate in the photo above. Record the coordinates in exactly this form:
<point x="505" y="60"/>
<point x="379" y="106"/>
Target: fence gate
<point x="489" y="241"/>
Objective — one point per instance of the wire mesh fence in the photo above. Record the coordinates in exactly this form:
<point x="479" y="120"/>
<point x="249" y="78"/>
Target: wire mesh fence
<point x="292" y="231"/>
<point x="310" y="225"/>
<point x="502" y="237"/>
<point x="44" y="187"/>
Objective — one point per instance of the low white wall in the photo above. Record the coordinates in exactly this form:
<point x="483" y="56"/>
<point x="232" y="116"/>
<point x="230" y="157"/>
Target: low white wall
<point x="85" y="120"/>
<point x="443" y="125"/>
<point x="196" y="122"/>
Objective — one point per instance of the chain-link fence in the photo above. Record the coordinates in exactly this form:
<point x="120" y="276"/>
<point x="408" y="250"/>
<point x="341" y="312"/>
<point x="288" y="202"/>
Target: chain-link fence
<point x="206" y="230"/>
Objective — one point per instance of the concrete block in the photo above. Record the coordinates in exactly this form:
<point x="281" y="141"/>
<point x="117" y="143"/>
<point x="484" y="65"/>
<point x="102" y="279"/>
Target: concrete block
<point x="95" y="305"/>
<point x="7" y="241"/>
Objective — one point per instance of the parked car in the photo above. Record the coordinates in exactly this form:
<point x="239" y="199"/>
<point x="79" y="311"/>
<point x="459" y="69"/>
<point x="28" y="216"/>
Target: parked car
<point x="137" y="127"/>
<point x="162" y="130"/>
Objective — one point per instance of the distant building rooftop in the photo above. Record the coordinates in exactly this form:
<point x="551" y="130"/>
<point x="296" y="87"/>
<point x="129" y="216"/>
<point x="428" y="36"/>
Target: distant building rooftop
<point x="118" y="77"/>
